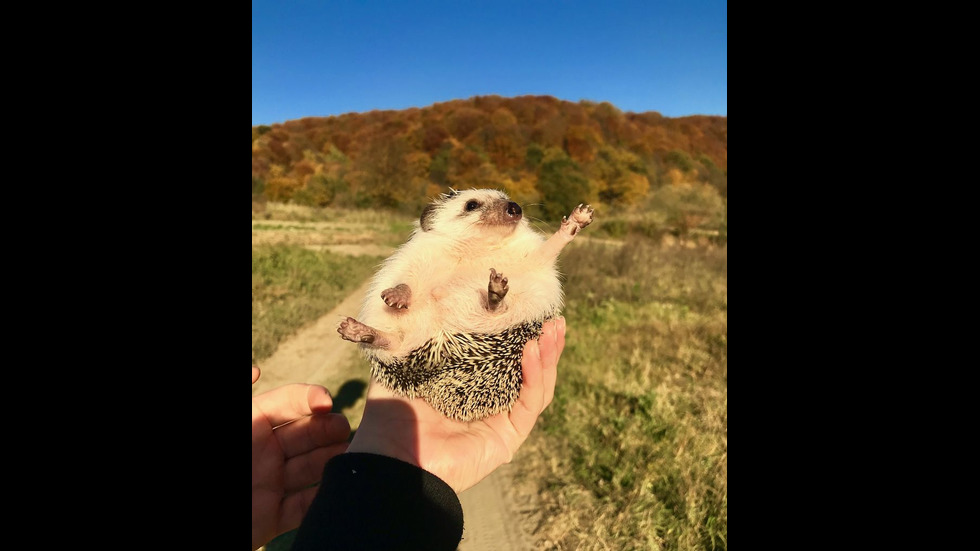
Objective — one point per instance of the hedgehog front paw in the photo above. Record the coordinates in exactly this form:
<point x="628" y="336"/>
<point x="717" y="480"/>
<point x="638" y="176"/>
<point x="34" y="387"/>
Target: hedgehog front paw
<point x="497" y="289"/>
<point x="399" y="296"/>
<point x="580" y="217"/>
<point x="355" y="331"/>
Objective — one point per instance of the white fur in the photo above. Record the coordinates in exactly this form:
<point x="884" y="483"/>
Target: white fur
<point x="448" y="270"/>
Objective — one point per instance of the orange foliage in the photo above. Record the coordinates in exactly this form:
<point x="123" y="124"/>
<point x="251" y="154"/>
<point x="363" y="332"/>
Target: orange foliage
<point x="550" y="131"/>
<point x="433" y="136"/>
<point x="401" y="157"/>
<point x="303" y="168"/>
<point x="463" y="164"/>
<point x="580" y="143"/>
<point x="282" y="188"/>
<point x="502" y="118"/>
<point x="418" y="163"/>
<point x="465" y="121"/>
<point x="675" y="177"/>
<point x="522" y="189"/>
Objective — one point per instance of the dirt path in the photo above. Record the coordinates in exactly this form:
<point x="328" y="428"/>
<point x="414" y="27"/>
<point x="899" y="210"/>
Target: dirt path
<point x="490" y="518"/>
<point x="316" y="354"/>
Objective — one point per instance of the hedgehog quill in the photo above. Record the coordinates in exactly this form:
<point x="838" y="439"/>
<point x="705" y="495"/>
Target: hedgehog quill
<point x="447" y="316"/>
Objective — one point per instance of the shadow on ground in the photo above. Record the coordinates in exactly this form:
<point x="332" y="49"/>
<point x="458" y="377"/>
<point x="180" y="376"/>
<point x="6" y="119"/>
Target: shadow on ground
<point x="349" y="393"/>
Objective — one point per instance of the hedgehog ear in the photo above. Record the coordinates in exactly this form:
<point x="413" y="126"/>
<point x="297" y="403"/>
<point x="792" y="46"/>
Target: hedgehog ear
<point x="428" y="213"/>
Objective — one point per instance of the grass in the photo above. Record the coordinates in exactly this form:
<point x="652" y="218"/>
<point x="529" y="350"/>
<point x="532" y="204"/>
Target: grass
<point x="292" y="286"/>
<point x="299" y="213"/>
<point x="331" y="225"/>
<point x="259" y="227"/>
<point x="633" y="452"/>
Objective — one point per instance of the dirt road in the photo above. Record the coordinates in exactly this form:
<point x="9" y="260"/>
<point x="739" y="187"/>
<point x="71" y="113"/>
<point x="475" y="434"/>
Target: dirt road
<point x="316" y="354"/>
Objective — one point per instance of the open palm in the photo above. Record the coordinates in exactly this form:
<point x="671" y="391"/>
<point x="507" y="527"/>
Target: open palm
<point x="462" y="454"/>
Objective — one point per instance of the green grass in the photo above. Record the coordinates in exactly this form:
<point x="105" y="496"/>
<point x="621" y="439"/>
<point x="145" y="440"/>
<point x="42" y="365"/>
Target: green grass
<point x="633" y="452"/>
<point x="292" y="286"/>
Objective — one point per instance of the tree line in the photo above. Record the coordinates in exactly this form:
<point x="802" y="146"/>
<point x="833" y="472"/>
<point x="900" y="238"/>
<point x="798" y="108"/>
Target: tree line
<point x="542" y="151"/>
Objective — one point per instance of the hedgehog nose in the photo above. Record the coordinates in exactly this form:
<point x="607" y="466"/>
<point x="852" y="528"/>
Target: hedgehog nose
<point x="513" y="210"/>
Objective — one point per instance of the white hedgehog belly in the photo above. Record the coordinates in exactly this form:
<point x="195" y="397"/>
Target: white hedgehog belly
<point x="462" y="358"/>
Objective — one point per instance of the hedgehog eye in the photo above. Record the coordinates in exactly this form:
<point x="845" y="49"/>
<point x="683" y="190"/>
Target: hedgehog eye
<point x="472" y="205"/>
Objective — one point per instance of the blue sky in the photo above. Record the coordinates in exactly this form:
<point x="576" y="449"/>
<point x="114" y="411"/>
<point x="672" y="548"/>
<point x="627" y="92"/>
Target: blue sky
<point x="321" y="58"/>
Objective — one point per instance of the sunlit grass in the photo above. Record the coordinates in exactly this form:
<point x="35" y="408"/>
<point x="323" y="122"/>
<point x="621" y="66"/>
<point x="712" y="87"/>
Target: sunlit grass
<point x="633" y="452"/>
<point x="311" y="225"/>
<point x="292" y="286"/>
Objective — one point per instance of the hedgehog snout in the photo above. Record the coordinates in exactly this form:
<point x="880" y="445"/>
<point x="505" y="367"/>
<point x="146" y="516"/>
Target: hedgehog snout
<point x="513" y="210"/>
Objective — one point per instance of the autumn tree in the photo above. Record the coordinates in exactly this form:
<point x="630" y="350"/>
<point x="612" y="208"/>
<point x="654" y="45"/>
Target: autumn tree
<point x="433" y="136"/>
<point x="464" y="162"/>
<point x="502" y="139"/>
<point x="439" y="165"/>
<point x="580" y="143"/>
<point x="282" y="188"/>
<point x="687" y="205"/>
<point x="532" y="146"/>
<point x="610" y="121"/>
<point x="620" y="176"/>
<point x="710" y="173"/>
<point x="383" y="173"/>
<point x="466" y="120"/>
<point x="533" y="156"/>
<point x="320" y="191"/>
<point x="550" y="131"/>
<point x="523" y="189"/>
<point x="562" y="184"/>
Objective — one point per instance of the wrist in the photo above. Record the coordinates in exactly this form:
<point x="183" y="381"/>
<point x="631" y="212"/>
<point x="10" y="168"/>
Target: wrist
<point x="366" y="442"/>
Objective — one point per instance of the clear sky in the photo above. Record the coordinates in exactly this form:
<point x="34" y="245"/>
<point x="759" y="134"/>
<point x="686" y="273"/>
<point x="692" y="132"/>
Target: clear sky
<point x="329" y="57"/>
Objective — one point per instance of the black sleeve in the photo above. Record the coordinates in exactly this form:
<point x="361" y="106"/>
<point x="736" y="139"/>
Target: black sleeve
<point x="369" y="501"/>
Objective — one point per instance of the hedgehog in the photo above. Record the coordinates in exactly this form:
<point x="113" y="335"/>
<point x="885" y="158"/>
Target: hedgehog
<point x="447" y="315"/>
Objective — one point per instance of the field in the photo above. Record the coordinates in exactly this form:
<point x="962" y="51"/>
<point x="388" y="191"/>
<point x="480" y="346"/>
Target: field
<point x="633" y="452"/>
<point x="305" y="261"/>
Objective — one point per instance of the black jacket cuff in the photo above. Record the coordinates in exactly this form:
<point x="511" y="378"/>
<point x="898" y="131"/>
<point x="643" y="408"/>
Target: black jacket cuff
<point x="369" y="501"/>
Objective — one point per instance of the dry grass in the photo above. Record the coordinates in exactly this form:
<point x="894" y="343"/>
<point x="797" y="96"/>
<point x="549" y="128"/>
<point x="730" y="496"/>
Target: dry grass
<point x="320" y="228"/>
<point x="299" y="213"/>
<point x="633" y="453"/>
<point x="292" y="286"/>
<point x="296" y="277"/>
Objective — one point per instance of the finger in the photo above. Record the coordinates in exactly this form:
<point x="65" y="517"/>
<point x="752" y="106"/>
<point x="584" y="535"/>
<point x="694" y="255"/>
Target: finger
<point x="255" y="373"/>
<point x="309" y="433"/>
<point x="294" y="509"/>
<point x="530" y="401"/>
<point x="290" y="402"/>
<point x="303" y="470"/>
<point x="549" y="361"/>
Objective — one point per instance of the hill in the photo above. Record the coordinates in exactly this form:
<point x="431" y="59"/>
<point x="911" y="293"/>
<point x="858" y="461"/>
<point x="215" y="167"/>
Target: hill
<point x="532" y="147"/>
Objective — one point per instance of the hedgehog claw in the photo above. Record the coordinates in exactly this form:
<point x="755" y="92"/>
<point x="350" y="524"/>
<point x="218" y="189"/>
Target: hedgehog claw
<point x="355" y="331"/>
<point x="399" y="296"/>
<point x="497" y="289"/>
<point x="580" y="217"/>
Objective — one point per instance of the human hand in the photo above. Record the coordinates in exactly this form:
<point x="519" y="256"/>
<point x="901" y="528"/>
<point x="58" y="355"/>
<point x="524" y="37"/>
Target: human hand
<point x="462" y="454"/>
<point x="293" y="436"/>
